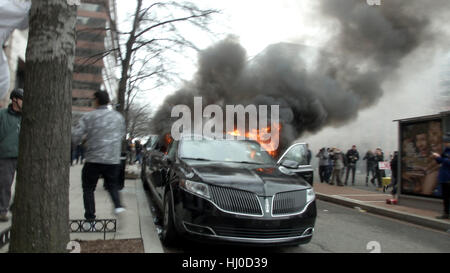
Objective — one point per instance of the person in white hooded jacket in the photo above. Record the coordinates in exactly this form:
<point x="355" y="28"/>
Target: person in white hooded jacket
<point x="13" y="15"/>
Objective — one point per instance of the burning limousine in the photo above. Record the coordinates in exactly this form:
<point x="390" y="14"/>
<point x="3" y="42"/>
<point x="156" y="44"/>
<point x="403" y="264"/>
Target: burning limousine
<point x="230" y="191"/>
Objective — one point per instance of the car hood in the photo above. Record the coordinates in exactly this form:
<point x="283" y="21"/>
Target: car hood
<point x="263" y="180"/>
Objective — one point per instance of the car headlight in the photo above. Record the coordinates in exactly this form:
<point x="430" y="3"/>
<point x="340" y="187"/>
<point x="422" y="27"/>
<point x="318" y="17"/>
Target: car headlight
<point x="196" y="187"/>
<point x="310" y="195"/>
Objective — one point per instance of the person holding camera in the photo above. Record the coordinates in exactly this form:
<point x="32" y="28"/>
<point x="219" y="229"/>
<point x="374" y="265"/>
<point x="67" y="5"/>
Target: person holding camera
<point x="323" y="165"/>
<point x="338" y="164"/>
<point x="444" y="176"/>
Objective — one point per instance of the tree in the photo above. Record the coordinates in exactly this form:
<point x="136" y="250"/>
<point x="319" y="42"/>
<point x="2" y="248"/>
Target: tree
<point x="156" y="29"/>
<point x="41" y="204"/>
<point x="139" y="124"/>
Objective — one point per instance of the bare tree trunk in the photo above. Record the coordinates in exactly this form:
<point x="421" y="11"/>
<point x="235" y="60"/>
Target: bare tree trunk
<point x="127" y="60"/>
<point x="41" y="206"/>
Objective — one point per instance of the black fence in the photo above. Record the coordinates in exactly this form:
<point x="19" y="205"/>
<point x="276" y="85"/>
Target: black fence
<point x="76" y="226"/>
<point x="95" y="226"/>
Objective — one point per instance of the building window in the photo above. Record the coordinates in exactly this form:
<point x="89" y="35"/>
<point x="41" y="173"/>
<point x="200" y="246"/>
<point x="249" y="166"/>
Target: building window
<point x="84" y="102"/>
<point x="90" y="21"/>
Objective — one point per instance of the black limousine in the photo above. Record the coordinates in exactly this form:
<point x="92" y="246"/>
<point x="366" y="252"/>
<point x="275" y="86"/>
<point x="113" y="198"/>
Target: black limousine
<point x="230" y="191"/>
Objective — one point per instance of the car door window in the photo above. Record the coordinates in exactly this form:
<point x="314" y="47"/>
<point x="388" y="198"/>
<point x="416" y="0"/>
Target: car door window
<point x="172" y="150"/>
<point x="297" y="153"/>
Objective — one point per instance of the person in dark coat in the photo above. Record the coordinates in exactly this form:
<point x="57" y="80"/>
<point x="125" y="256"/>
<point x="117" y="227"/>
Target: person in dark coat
<point x="444" y="176"/>
<point x="352" y="157"/>
<point x="10" y="120"/>
<point x="370" y="166"/>
<point x="394" y="170"/>
<point x="379" y="174"/>
<point x="138" y="148"/>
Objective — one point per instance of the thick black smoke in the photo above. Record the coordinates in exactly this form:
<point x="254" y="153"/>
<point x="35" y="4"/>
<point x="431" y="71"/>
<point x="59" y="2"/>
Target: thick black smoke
<point x="314" y="88"/>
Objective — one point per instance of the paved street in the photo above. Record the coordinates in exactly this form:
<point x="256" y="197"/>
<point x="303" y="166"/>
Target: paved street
<point x="340" y="229"/>
<point x="343" y="230"/>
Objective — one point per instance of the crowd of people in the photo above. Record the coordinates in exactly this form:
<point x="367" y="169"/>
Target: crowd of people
<point x="334" y="164"/>
<point x="134" y="151"/>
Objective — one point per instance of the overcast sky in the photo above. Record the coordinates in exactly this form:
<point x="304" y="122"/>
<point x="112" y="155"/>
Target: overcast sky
<point x="259" y="23"/>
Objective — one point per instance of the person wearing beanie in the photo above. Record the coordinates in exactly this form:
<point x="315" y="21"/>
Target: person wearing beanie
<point x="10" y="119"/>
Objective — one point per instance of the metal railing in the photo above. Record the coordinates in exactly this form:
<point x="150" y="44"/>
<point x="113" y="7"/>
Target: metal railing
<point x="94" y="226"/>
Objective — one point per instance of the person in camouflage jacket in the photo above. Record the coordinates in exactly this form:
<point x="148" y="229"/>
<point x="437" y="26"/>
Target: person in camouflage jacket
<point x="103" y="130"/>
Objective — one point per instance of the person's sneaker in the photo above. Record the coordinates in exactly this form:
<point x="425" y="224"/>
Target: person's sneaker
<point x="119" y="210"/>
<point x="443" y="216"/>
<point x="4" y="217"/>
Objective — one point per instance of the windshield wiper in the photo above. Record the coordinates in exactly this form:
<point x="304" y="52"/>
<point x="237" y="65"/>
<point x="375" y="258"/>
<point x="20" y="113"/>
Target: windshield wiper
<point x="196" y="158"/>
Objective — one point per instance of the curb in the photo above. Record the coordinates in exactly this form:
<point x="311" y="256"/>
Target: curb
<point x="149" y="235"/>
<point x="403" y="216"/>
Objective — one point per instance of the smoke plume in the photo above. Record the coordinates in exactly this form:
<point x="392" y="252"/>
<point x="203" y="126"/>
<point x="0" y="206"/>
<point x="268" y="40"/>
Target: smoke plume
<point x="315" y="88"/>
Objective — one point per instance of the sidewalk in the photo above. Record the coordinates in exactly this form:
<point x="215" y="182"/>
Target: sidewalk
<point x="135" y="223"/>
<point x="375" y="202"/>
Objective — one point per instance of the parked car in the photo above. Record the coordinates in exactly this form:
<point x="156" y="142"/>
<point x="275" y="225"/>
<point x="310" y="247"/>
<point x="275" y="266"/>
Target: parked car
<point x="230" y="191"/>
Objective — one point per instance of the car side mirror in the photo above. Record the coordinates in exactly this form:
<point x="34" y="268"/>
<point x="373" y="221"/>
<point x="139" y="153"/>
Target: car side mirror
<point x="290" y="164"/>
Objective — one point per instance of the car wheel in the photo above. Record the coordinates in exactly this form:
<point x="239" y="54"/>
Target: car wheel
<point x="169" y="234"/>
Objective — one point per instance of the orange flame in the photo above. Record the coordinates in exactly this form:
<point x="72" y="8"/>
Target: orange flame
<point x="168" y="139"/>
<point x="255" y="134"/>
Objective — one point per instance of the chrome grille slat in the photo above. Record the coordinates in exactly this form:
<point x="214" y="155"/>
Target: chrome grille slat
<point x="236" y="201"/>
<point x="261" y="233"/>
<point x="289" y="202"/>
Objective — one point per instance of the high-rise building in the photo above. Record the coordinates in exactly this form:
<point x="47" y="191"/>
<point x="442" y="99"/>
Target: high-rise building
<point x="94" y="69"/>
<point x="95" y="62"/>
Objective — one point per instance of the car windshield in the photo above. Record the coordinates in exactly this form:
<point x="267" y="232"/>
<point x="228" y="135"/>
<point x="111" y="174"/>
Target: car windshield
<point x="225" y="150"/>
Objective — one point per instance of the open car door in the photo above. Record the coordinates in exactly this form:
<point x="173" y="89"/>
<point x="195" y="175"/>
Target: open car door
<point x="295" y="158"/>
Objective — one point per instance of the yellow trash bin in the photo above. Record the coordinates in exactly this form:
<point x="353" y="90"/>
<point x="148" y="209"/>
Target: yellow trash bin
<point x="386" y="181"/>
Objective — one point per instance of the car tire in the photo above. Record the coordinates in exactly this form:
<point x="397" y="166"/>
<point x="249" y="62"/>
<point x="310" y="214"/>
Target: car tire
<point x="169" y="235"/>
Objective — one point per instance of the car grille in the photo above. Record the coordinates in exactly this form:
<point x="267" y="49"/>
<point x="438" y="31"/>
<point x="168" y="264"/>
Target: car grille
<point x="289" y="202"/>
<point x="236" y="201"/>
<point x="260" y="233"/>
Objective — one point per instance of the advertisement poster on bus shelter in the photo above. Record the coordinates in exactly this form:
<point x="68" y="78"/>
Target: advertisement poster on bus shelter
<point x="419" y="170"/>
